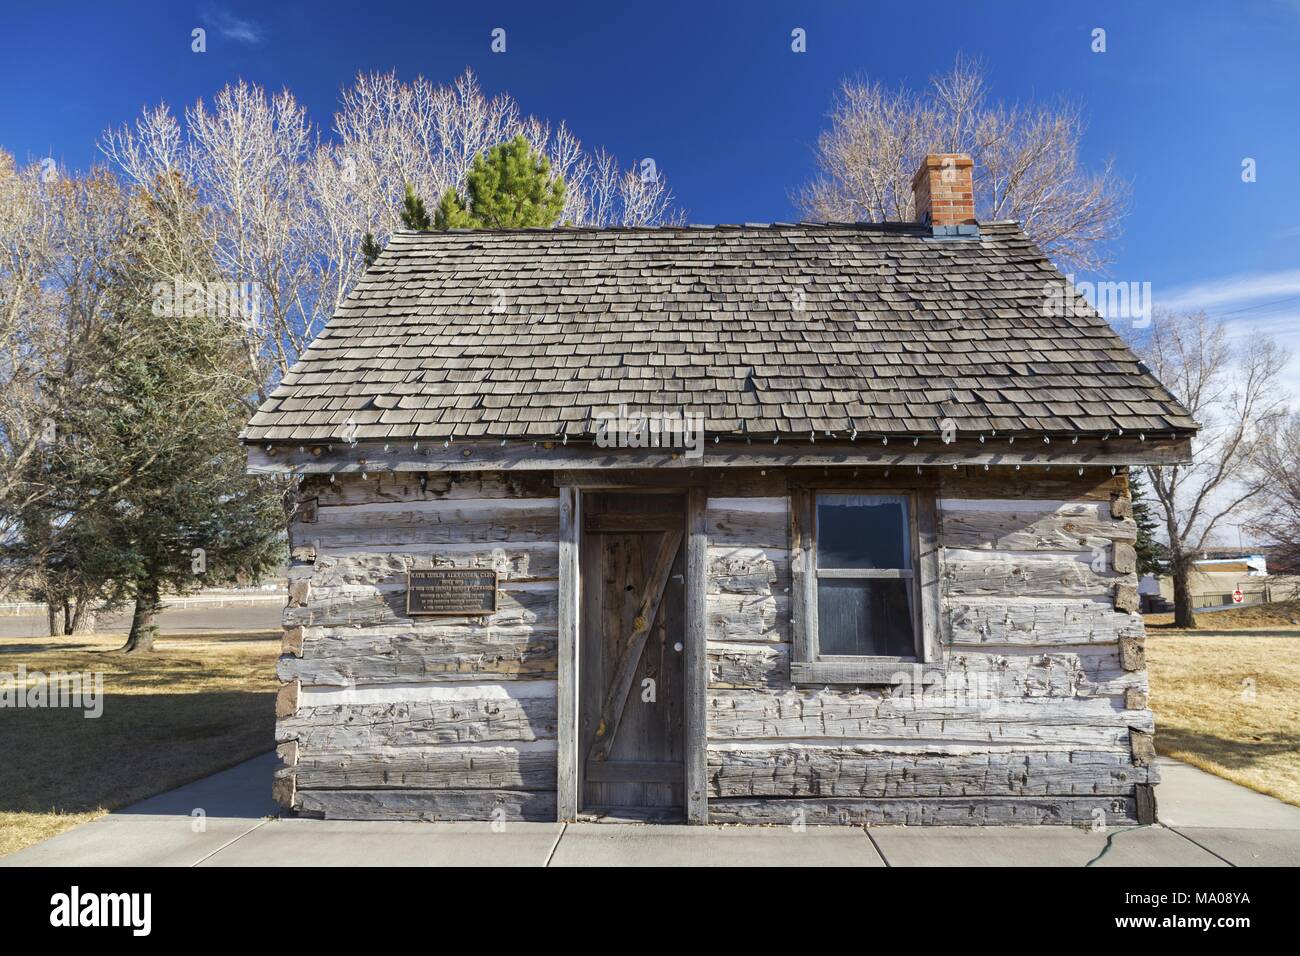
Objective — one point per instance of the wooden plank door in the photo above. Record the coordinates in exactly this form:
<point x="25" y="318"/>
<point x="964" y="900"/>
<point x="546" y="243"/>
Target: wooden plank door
<point x="631" y="737"/>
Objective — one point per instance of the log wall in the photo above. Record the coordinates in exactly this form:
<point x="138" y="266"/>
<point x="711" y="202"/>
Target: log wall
<point x="1041" y="716"/>
<point x="386" y="716"/>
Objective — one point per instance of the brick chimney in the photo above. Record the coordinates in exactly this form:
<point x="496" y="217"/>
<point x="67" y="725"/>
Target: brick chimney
<point x="944" y="192"/>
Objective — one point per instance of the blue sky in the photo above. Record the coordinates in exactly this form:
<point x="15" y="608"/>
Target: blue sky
<point x="712" y="91"/>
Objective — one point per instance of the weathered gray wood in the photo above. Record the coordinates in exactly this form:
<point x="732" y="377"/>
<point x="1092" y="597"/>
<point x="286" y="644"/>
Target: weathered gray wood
<point x="357" y="727"/>
<point x="1031" y="621"/>
<point x="696" y="663"/>
<point x="487" y="806"/>
<point x="749" y="617"/>
<point x="748" y="523"/>
<point x="438" y="486"/>
<point x="749" y="665"/>
<point x="1009" y="484"/>
<point x="287" y="699"/>
<point x="862" y="671"/>
<point x="429" y="768"/>
<point x="1126" y="596"/>
<point x="376" y="458"/>
<point x="461" y="521"/>
<point x="284" y="789"/>
<point x="969" y="573"/>
<point x="1132" y="653"/>
<point x="1124" y="558"/>
<point x="806" y="771"/>
<point x="734" y="570"/>
<point x="570" y="612"/>
<point x="1085" y="722"/>
<point x="635" y="771"/>
<point x="611" y="711"/>
<point x="374" y="657"/>
<point x="929" y="576"/>
<point x="1075" y="526"/>
<point x="927" y="811"/>
<point x="1146" y="804"/>
<point x="1143" y="746"/>
<point x="386" y="562"/>
<point x="803" y="576"/>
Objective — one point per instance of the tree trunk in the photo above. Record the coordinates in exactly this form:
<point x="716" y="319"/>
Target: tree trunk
<point x="1182" y="573"/>
<point x="143" y="631"/>
<point x="83" y="617"/>
<point x="67" y="617"/>
<point x="52" y="616"/>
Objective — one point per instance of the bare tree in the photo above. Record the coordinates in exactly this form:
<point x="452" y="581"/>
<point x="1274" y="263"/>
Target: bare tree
<point x="62" y="245"/>
<point x="1026" y="162"/>
<point x="1233" y="391"/>
<point x="287" y="210"/>
<point x="1278" y="517"/>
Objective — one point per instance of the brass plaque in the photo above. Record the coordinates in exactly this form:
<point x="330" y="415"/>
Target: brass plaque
<point x="471" y="591"/>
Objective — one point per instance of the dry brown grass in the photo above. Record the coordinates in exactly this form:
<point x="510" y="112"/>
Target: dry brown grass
<point x="201" y="703"/>
<point x="1278" y="614"/>
<point x="1230" y="704"/>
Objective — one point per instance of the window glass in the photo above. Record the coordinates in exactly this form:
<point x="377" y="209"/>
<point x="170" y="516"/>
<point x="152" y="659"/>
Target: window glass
<point x="863" y="531"/>
<point x="865" y="616"/>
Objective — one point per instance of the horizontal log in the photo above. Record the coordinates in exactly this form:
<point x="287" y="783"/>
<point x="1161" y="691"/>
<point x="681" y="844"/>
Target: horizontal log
<point x="929" y="811"/>
<point x="748" y="665"/>
<point x="405" y="487"/>
<point x="748" y="617"/>
<point x="1009" y="484"/>
<point x="1073" y="526"/>
<point x="748" y="522"/>
<point x="1075" y="723"/>
<point x="460" y="521"/>
<point x="502" y="653"/>
<point x="380" y="561"/>
<point x="487" y="806"/>
<point x="429" y="768"/>
<point x="1083" y="671"/>
<point x="356" y="727"/>
<point x="968" y="573"/>
<point x="849" y="772"/>
<point x="1030" y="621"/>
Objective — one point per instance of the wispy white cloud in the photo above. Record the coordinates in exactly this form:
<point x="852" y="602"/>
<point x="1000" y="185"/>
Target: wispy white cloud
<point x="1251" y="305"/>
<point x="234" y="28"/>
<point x="1234" y="293"/>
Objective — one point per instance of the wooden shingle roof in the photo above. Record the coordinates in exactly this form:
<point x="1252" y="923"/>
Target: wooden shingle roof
<point x="763" y="330"/>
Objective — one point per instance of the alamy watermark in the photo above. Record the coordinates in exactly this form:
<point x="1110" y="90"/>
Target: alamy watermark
<point x="924" y="686"/>
<point x="237" y="301"/>
<point x="36" y="690"/>
<point x="1114" y="300"/>
<point x="677" y="429"/>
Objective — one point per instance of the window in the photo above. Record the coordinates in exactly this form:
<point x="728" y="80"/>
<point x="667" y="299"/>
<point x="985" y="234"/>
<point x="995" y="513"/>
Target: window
<point x="865" y="596"/>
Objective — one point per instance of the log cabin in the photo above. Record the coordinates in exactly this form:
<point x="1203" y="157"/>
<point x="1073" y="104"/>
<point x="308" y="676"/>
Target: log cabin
<point x="814" y="523"/>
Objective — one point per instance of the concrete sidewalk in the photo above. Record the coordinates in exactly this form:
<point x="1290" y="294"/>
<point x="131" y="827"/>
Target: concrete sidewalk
<point x="228" y="819"/>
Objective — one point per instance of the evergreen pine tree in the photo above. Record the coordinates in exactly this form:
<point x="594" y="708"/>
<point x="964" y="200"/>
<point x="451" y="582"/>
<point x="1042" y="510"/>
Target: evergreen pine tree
<point x="370" y="249"/>
<point x="414" y="215"/>
<point x="509" y="187"/>
<point x="1152" y="556"/>
<point x="161" y="427"/>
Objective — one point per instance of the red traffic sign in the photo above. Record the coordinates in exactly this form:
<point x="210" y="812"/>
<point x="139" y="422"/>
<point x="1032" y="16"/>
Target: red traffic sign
<point x="1237" y="596"/>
